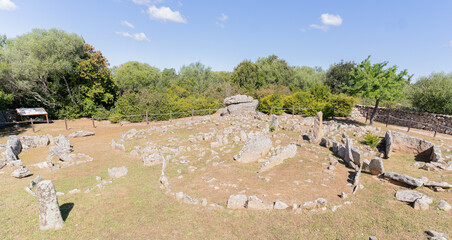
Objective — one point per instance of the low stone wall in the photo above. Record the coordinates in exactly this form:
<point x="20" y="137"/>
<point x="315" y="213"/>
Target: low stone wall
<point x="425" y="121"/>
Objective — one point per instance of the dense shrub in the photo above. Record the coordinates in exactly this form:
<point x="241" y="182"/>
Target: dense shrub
<point x="371" y="140"/>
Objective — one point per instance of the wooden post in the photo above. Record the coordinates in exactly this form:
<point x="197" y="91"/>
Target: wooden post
<point x="119" y="120"/>
<point x="147" y="118"/>
<point x="47" y="118"/>
<point x="92" y="118"/>
<point x="436" y="128"/>
<point x="271" y="110"/>
<point x="333" y="113"/>
<point x="192" y="114"/>
<point x="171" y="116"/>
<point x="409" y="124"/>
<point x="32" y="125"/>
<point x="293" y="110"/>
<point x="65" y="123"/>
<point x="387" y="118"/>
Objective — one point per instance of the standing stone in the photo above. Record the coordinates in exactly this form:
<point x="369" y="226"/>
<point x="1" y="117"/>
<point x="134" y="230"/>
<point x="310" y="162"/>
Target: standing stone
<point x="62" y="142"/>
<point x="49" y="209"/>
<point x="274" y="122"/>
<point x="389" y="141"/>
<point x="14" y="144"/>
<point x="254" y="149"/>
<point x="317" y="130"/>
<point x="376" y="166"/>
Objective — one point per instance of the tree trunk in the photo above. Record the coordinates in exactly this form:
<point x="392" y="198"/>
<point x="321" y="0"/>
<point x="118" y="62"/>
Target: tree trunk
<point x="374" y="113"/>
<point x="69" y="91"/>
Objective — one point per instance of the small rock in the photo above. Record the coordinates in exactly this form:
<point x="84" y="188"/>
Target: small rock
<point x="444" y="205"/>
<point x="74" y="191"/>
<point x="117" y="172"/>
<point x="237" y="201"/>
<point x="280" y="205"/>
<point x="255" y="203"/>
<point x="433" y="233"/>
<point x="21" y="172"/>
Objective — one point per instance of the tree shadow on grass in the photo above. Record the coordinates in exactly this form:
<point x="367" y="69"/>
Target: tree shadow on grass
<point x="9" y="130"/>
<point x="66" y="209"/>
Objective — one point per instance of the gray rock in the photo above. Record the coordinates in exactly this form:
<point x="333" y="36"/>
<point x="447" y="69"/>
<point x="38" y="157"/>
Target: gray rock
<point x="326" y="142"/>
<point x="373" y="238"/>
<point x="396" y="141"/>
<point x="433" y="233"/>
<point x="21" y="172"/>
<point x="309" y="205"/>
<point x="279" y="205"/>
<point x="255" y="148"/>
<point x="389" y="144"/>
<point x="255" y="203"/>
<point x="81" y="134"/>
<point x="190" y="200"/>
<point x="243" y="108"/>
<point x="433" y="184"/>
<point x="49" y="209"/>
<point x="275" y="122"/>
<point x="287" y="152"/>
<point x="376" y="166"/>
<point x="317" y="133"/>
<point x="237" y="201"/>
<point x="411" y="196"/>
<point x="14" y="144"/>
<point x="237" y="99"/>
<point x="444" y="205"/>
<point x="10" y="156"/>
<point x="421" y="204"/>
<point x="35" y="181"/>
<point x="152" y="159"/>
<point x="35" y="141"/>
<point x="321" y="202"/>
<point x="63" y="143"/>
<point x="117" y="146"/>
<point x="415" y="182"/>
<point x="60" y="153"/>
<point x="117" y="172"/>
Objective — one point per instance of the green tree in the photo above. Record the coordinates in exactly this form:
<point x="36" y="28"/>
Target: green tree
<point x="432" y="94"/>
<point x="376" y="82"/>
<point x="306" y="77"/>
<point x="195" y="77"/>
<point x="338" y="75"/>
<point x="39" y="65"/>
<point x="167" y="78"/>
<point x="134" y="76"/>
<point x="273" y="70"/>
<point x="246" y="75"/>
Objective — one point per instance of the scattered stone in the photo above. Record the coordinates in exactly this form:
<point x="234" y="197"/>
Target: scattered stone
<point x="326" y="142"/>
<point x="433" y="184"/>
<point x="152" y="159"/>
<point x="376" y="166"/>
<point x="344" y="195"/>
<point x="237" y="201"/>
<point x="75" y="191"/>
<point x="81" y="134"/>
<point x="280" y="205"/>
<point x="179" y="195"/>
<point x="35" y="141"/>
<point x="35" y="181"/>
<point x="190" y="200"/>
<point x="275" y="122"/>
<point x="430" y="167"/>
<point x="444" y="205"/>
<point x="436" y="234"/>
<point x="49" y="209"/>
<point x="117" y="172"/>
<point x="117" y="146"/>
<point x="309" y="205"/>
<point x="420" y="204"/>
<point x="63" y="143"/>
<point x="255" y="148"/>
<point x="255" y="203"/>
<point x="287" y="152"/>
<point x="14" y="144"/>
<point x="204" y="202"/>
<point x="21" y="172"/>
<point x="415" y="182"/>
<point x="373" y="238"/>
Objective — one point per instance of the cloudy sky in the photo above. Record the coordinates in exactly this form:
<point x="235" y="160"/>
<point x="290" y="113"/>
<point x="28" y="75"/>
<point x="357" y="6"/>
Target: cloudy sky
<point x="416" y="35"/>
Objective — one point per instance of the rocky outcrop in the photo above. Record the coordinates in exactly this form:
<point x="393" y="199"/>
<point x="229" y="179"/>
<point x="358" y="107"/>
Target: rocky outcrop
<point x="396" y="141"/>
<point x="49" y="209"/>
<point x="255" y="148"/>
<point x="240" y="104"/>
<point x="287" y="152"/>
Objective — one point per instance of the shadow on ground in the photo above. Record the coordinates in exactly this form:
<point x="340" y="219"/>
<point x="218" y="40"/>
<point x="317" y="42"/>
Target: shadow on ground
<point x="66" y="209"/>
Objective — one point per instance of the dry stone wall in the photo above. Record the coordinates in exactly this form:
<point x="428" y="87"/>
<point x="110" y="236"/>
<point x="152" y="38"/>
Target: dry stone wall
<point x="419" y="120"/>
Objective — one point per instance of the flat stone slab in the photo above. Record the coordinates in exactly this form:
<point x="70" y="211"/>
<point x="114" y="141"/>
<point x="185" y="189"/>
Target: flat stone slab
<point x="237" y="201"/>
<point x="411" y="196"/>
<point x="415" y="182"/>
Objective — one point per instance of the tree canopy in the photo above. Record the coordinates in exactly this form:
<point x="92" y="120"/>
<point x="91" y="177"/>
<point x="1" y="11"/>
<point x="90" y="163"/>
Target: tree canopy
<point x="432" y="94"/>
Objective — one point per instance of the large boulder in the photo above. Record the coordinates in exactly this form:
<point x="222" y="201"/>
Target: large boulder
<point x="81" y="134"/>
<point x="317" y="133"/>
<point x="376" y="166"/>
<point x="287" y="152"/>
<point x="237" y="201"/>
<point x="240" y="104"/>
<point x="352" y="156"/>
<point x="117" y="172"/>
<point x="255" y="148"/>
<point x="410" y="196"/>
<point x="414" y="182"/>
<point x="49" y="209"/>
<point x="35" y="141"/>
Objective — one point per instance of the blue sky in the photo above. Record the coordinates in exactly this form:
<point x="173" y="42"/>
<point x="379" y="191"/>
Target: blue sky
<point x="416" y="35"/>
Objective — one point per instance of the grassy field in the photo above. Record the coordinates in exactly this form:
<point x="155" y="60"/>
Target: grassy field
<point x="134" y="206"/>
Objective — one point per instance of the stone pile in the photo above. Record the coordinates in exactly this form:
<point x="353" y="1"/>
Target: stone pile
<point x="239" y="104"/>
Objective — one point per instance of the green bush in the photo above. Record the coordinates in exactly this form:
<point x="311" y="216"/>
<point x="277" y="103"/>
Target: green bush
<point x="371" y="140"/>
<point x="275" y="100"/>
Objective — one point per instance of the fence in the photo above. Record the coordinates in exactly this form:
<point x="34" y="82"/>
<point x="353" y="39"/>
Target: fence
<point x="147" y="117"/>
<point x="424" y="121"/>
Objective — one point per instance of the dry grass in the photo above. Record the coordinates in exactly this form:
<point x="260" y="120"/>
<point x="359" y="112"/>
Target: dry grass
<point x="134" y="207"/>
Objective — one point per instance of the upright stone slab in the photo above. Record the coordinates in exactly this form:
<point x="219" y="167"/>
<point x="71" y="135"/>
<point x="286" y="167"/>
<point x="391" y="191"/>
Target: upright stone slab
<point x="317" y="135"/>
<point x="14" y="144"/>
<point x="388" y="142"/>
<point x="49" y="209"/>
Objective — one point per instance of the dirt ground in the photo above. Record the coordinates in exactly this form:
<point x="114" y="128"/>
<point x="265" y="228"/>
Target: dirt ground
<point x="134" y="206"/>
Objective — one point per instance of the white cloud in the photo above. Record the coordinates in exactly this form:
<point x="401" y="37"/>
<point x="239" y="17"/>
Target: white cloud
<point x="7" y="5"/>
<point x="449" y="44"/>
<point x="220" y="24"/>
<point x="127" y="24"/>
<point x="327" y="21"/>
<point x="165" y="14"/>
<point x="146" y="2"/>
<point x="223" y="17"/>
<point x="137" y="36"/>
<point x="330" y="19"/>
